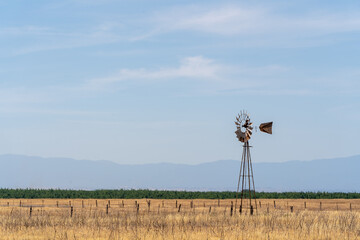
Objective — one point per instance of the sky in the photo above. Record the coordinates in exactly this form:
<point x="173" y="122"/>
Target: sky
<point x="161" y="81"/>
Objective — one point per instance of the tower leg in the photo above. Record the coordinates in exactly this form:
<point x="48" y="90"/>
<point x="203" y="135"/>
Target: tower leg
<point x="238" y="185"/>
<point x="253" y="183"/>
<point x="248" y="171"/>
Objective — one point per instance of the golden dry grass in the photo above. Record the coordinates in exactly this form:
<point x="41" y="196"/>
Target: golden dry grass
<point x="51" y="219"/>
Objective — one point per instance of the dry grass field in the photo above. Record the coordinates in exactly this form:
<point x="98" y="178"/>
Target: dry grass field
<point x="177" y="219"/>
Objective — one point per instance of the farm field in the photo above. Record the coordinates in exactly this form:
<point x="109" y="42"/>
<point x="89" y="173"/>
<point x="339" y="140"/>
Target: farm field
<point x="178" y="219"/>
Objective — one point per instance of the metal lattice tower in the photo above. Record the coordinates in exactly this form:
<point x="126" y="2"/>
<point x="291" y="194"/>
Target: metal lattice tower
<point x="246" y="176"/>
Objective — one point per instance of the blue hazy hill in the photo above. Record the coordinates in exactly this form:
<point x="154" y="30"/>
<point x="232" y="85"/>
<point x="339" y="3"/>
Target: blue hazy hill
<point x="18" y="171"/>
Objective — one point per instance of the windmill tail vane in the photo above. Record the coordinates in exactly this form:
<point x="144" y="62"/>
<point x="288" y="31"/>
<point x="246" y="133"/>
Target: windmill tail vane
<point x="243" y="132"/>
<point x="266" y="127"/>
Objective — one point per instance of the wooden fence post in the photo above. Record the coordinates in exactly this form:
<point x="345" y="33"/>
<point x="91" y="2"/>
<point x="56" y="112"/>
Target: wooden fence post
<point x="137" y="208"/>
<point x="191" y="204"/>
<point x="179" y="207"/>
<point x="231" y="208"/>
<point x="274" y="204"/>
<point x="96" y="203"/>
<point x="350" y="207"/>
<point x="148" y="202"/>
<point x="71" y="211"/>
<point x="210" y="209"/>
<point x="251" y="210"/>
<point x="107" y="209"/>
<point x="291" y="208"/>
<point x="30" y="210"/>
<point x="57" y="203"/>
<point x="260" y="204"/>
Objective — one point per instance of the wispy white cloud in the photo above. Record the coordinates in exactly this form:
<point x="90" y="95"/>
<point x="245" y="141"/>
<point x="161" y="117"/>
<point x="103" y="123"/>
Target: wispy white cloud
<point x="220" y="79"/>
<point x="255" y="25"/>
<point x="216" y="78"/>
<point x="255" y="20"/>
<point x="197" y="68"/>
<point x="48" y="38"/>
<point x="219" y="20"/>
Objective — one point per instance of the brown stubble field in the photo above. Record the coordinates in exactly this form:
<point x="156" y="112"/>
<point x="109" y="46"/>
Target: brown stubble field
<point x="177" y="219"/>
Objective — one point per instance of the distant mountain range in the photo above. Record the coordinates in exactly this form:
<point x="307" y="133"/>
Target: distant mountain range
<point x="17" y="171"/>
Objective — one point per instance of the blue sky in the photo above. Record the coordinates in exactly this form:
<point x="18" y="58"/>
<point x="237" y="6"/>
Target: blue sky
<point x="161" y="81"/>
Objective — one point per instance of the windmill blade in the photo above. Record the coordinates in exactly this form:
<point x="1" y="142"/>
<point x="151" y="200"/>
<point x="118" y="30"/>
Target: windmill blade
<point x="266" y="127"/>
<point x="237" y="123"/>
<point x="248" y="130"/>
<point x="248" y="135"/>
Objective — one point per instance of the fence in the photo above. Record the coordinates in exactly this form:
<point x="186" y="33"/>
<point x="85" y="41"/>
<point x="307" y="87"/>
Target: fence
<point x="227" y="206"/>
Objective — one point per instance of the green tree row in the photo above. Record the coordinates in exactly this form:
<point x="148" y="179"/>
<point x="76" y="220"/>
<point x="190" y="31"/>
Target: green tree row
<point x="163" y="194"/>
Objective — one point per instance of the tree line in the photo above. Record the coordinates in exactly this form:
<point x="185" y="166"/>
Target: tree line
<point x="163" y="194"/>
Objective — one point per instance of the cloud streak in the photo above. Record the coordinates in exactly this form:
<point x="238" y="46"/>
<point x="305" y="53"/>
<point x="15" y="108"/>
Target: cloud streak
<point x="213" y="77"/>
<point x="254" y="25"/>
<point x="196" y="68"/>
<point x="241" y="20"/>
<point x="45" y="38"/>
<point x="209" y="77"/>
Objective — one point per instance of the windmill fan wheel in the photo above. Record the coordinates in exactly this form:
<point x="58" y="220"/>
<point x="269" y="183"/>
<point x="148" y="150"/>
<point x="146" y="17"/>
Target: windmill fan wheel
<point x="244" y="127"/>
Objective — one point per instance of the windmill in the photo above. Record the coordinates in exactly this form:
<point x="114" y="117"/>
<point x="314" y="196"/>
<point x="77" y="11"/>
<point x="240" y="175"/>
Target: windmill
<point x="244" y="129"/>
